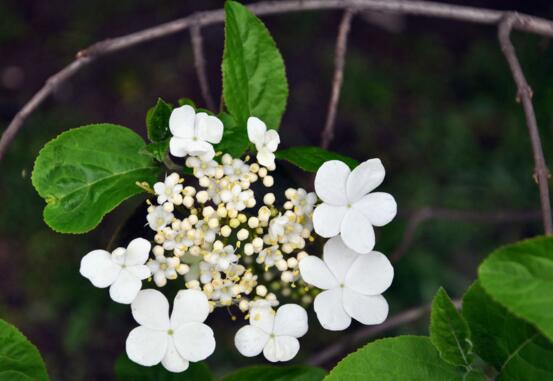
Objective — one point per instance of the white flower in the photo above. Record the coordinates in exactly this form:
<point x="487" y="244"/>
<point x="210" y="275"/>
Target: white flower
<point x="169" y="190"/>
<point x="164" y="268"/>
<point x="276" y="335"/>
<point x="302" y="201"/>
<point x="122" y="271"/>
<point x="159" y="218"/>
<point x="194" y="134"/>
<point x="237" y="170"/>
<point x="348" y="208"/>
<point x="353" y="285"/>
<point x="222" y="258"/>
<point x="236" y="198"/>
<point x="174" y="341"/>
<point x="266" y="141"/>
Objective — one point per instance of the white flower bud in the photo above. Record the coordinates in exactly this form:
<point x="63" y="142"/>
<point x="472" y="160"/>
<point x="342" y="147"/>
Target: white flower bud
<point x="159" y="279"/>
<point x="177" y="199"/>
<point x="158" y="250"/>
<point x="264" y="214"/>
<point x="301" y="255"/>
<point x="262" y="172"/>
<point x="189" y="191"/>
<point x="208" y="211"/>
<point x="269" y="198"/>
<point x="225" y="231"/>
<point x="292" y="262"/>
<point x="257" y="244"/>
<point x="202" y="197"/>
<point x="253" y="222"/>
<point x="268" y="181"/>
<point x="204" y="182"/>
<point x="188" y="202"/>
<point x="282" y="265"/>
<point x="287" y="277"/>
<point x="244" y="305"/>
<point x="193" y="219"/>
<point x="261" y="290"/>
<point x="222" y="211"/>
<point x="290" y="193"/>
<point x="168" y="207"/>
<point x="248" y="249"/>
<point x="242" y="234"/>
<point x="250" y="202"/>
<point x="226" y="159"/>
<point x="213" y="223"/>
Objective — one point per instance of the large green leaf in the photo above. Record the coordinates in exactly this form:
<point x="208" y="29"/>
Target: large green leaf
<point x="254" y="79"/>
<point x="157" y="121"/>
<point x="19" y="359"/>
<point x="274" y="373"/>
<point x="514" y="347"/>
<point x="126" y="370"/>
<point x="86" y="172"/>
<point x="520" y="277"/>
<point x="311" y="158"/>
<point x="449" y="331"/>
<point x="412" y="358"/>
<point x="235" y="138"/>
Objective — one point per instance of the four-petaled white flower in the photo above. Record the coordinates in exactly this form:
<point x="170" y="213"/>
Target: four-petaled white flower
<point x="159" y="218"/>
<point x="353" y="285"/>
<point x="276" y="335"/>
<point x="194" y="134"/>
<point x="348" y="207"/>
<point x="122" y="271"/>
<point x="169" y="190"/>
<point x="266" y="141"/>
<point x="174" y="341"/>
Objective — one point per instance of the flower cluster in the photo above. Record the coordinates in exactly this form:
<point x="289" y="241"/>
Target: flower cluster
<point x="219" y="233"/>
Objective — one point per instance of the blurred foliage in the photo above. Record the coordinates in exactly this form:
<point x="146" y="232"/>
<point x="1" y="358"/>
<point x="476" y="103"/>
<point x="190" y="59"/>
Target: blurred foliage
<point x="436" y="103"/>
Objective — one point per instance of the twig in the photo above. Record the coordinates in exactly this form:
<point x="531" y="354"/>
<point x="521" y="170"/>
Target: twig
<point x="339" y="62"/>
<point x="421" y="8"/>
<point x="361" y="335"/>
<point x="524" y="95"/>
<point x="418" y="217"/>
<point x="199" y="63"/>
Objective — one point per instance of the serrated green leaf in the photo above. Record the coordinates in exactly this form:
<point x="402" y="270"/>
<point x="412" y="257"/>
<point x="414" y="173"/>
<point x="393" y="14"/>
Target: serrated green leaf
<point x="449" y="331"/>
<point x="274" y="373"/>
<point x="514" y="347"/>
<point x="187" y="101"/>
<point x="311" y="158"/>
<point x="126" y="370"/>
<point x="235" y="138"/>
<point x="411" y="358"/>
<point x="19" y="358"/>
<point x="157" y="150"/>
<point x="520" y="277"/>
<point x="157" y="121"/>
<point x="86" y="172"/>
<point x="254" y="78"/>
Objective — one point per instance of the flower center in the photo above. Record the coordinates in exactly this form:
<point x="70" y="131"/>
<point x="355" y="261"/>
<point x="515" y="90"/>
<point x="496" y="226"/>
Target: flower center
<point x="170" y="332"/>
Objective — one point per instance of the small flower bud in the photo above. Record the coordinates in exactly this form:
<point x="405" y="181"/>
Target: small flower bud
<point x="268" y="181"/>
<point x="225" y="231"/>
<point x="248" y="249"/>
<point x="242" y="234"/>
<point x="269" y="198"/>
<point x="261" y="290"/>
<point x="253" y="222"/>
<point x="202" y="197"/>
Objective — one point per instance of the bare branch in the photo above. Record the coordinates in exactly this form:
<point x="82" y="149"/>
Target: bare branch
<point x="199" y="63"/>
<point x="339" y="62"/>
<point x="524" y="95"/>
<point x="422" y="215"/>
<point x="421" y="8"/>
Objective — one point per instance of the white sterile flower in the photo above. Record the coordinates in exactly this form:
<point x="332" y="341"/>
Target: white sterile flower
<point x="266" y="141"/>
<point x="194" y="134"/>
<point x="158" y="218"/>
<point x="353" y="285"/>
<point x="169" y="190"/>
<point x="348" y="208"/>
<point x="276" y="335"/>
<point x="174" y="341"/>
<point x="122" y="271"/>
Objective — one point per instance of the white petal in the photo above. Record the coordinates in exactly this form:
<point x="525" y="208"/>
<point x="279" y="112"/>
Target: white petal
<point x="315" y="272"/>
<point x="357" y="232"/>
<point x="338" y="257"/>
<point x="330" y="182"/>
<point x="256" y="130"/>
<point x="209" y="128"/>
<point x="327" y="219"/>
<point x="271" y="140"/>
<point x="146" y="346"/>
<point x="330" y="311"/>
<point x="189" y="306"/>
<point x="179" y="146"/>
<point x="125" y="288"/>
<point x="181" y="122"/>
<point x="208" y="154"/>
<point x="290" y="320"/>
<point x="194" y="341"/>
<point x="137" y="252"/>
<point x="250" y="340"/>
<point x="159" y="188"/>
<point x="151" y="309"/>
<point x="98" y="267"/>
<point x="172" y="361"/>
<point x="265" y="157"/>
<point x="281" y="348"/>
<point x="370" y="274"/>
<point x="366" y="309"/>
<point x="262" y="316"/>
<point x="139" y="271"/>
<point x="378" y="207"/>
<point x="364" y="178"/>
<point x="198" y="147"/>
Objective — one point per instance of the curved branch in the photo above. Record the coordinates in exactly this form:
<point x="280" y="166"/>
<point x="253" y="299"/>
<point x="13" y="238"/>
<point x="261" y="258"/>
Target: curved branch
<point x="420" y="8"/>
<point x="199" y="63"/>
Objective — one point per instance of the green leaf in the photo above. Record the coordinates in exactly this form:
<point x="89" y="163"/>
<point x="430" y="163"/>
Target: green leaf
<point x="511" y="345"/>
<point x="274" y="373"/>
<point x="235" y="138"/>
<point x="399" y="358"/>
<point x="157" y="121"/>
<point x="449" y="331"/>
<point x="19" y="358"/>
<point x="520" y="277"/>
<point x="86" y="172"/>
<point x="126" y="370"/>
<point x="187" y="101"/>
<point x="254" y="78"/>
<point x="157" y="150"/>
<point x="311" y="158"/>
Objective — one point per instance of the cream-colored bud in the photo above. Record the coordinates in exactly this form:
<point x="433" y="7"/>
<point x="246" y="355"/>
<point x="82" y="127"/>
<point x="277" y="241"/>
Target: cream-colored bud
<point x="271" y="297"/>
<point x="174" y="177"/>
<point x="232" y="213"/>
<point x="301" y="255"/>
<point x="179" y="252"/>
<point x="189" y="191"/>
<point x="257" y="243"/>
<point x="159" y="279"/>
<point x="262" y="172"/>
<point x="268" y="181"/>
<point x="288" y="205"/>
<point x="168" y="207"/>
<point x="290" y="193"/>
<point x="282" y="265"/>
<point x="177" y="199"/>
<point x="242" y="234"/>
<point x="158" y="250"/>
<point x="218" y="245"/>
<point x="242" y="218"/>
<point x="234" y="223"/>
<point x="244" y="305"/>
<point x="188" y="202"/>
<point x="253" y="222"/>
<point x="193" y="284"/>
<point x="269" y="198"/>
<point x="213" y="223"/>
<point x="248" y="249"/>
<point x="250" y="202"/>
<point x="254" y="167"/>
<point x="261" y="290"/>
<point x="219" y="172"/>
<point x="159" y="238"/>
<point x="292" y="262"/>
<point x="226" y="159"/>
<point x="183" y="268"/>
<point x="193" y="219"/>
<point x="287" y="277"/>
<point x="194" y="250"/>
<point x="204" y="182"/>
<point x="287" y="248"/>
<point x="208" y="211"/>
<point x="202" y="197"/>
<point x="264" y="213"/>
<point x="225" y="231"/>
<point x="222" y="211"/>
